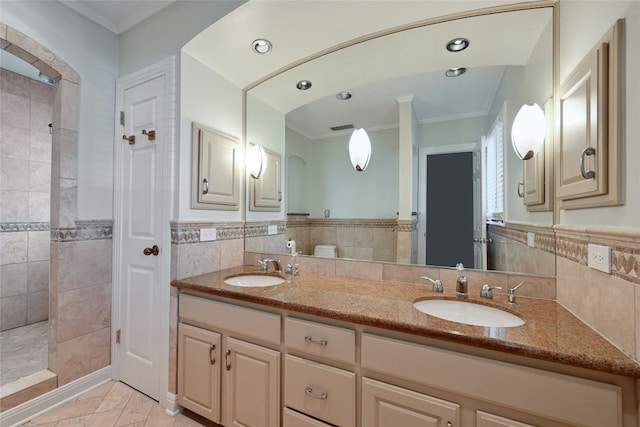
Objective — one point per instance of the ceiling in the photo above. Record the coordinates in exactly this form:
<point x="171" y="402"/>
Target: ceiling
<point x="117" y="16"/>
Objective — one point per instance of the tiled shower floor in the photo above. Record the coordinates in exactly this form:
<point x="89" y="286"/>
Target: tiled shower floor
<point x="23" y="351"/>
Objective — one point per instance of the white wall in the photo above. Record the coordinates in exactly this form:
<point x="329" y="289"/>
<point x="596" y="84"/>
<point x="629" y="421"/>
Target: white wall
<point x="93" y="52"/>
<point x="582" y="25"/>
<point x="208" y="99"/>
<point x="333" y="183"/>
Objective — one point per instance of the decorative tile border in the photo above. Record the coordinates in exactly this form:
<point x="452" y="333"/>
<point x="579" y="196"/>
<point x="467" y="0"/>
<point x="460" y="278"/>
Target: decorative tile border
<point x="84" y="230"/>
<point x="348" y="223"/>
<point x="545" y="237"/>
<point x="10" y="227"/>
<point x="258" y="229"/>
<point x="572" y="244"/>
<point x="189" y="232"/>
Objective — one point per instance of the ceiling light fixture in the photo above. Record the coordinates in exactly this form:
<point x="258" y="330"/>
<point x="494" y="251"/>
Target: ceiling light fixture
<point x="457" y="45"/>
<point x="303" y="84"/>
<point x="455" y="72"/>
<point x="343" y="96"/>
<point x="261" y="46"/>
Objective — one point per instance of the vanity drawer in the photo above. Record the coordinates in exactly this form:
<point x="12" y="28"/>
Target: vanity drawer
<point x="320" y="391"/>
<point x="242" y="321"/>
<point x="296" y="419"/>
<point x="316" y="339"/>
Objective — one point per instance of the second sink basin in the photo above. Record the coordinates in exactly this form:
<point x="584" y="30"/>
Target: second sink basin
<point x="253" y="280"/>
<point x="468" y="312"/>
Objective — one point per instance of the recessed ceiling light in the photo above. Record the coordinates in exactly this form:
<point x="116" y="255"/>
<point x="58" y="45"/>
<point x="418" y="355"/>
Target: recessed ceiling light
<point x="343" y="96"/>
<point x="455" y="72"/>
<point x="303" y="84"/>
<point x="261" y="46"/>
<point x="457" y="45"/>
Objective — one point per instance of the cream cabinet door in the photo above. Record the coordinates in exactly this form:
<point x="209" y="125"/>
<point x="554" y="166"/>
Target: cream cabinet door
<point x="484" y="419"/>
<point x="252" y="385"/>
<point x="266" y="191"/>
<point x="216" y="169"/>
<point x="385" y="405"/>
<point x="589" y="146"/>
<point x="199" y="371"/>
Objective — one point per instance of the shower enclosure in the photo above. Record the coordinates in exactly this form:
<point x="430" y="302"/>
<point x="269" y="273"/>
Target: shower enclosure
<point x="25" y="186"/>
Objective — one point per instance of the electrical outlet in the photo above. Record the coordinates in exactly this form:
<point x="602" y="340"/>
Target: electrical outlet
<point x="207" y="234"/>
<point x="599" y="257"/>
<point x="273" y="229"/>
<point x="531" y="240"/>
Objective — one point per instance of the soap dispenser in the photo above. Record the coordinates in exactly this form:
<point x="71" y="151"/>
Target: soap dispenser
<point x="461" y="283"/>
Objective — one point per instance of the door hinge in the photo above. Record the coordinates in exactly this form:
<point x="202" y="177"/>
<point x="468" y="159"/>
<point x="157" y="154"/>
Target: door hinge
<point x="121" y="118"/>
<point x="118" y="336"/>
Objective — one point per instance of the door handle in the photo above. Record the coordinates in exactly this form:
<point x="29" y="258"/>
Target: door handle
<point x="153" y="250"/>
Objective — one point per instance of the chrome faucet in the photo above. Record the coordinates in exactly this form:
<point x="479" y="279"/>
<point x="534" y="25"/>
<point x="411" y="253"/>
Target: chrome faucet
<point x="437" y="284"/>
<point x="462" y="287"/>
<point x="264" y="264"/>
<point x="486" y="293"/>
<point x="511" y="297"/>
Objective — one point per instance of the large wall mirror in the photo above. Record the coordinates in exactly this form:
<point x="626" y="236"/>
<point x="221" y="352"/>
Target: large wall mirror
<point x="508" y="63"/>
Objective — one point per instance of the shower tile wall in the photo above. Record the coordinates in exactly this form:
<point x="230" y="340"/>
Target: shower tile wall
<point x="25" y="186"/>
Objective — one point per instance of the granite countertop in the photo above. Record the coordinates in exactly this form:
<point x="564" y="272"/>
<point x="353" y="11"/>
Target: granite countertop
<point x="551" y="333"/>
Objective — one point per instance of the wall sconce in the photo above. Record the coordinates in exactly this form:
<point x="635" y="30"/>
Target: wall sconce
<point x="528" y="131"/>
<point x="256" y="161"/>
<point x="359" y="149"/>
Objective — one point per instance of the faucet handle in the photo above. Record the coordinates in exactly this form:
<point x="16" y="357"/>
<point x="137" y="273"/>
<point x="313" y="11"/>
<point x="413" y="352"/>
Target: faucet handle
<point x="263" y="265"/>
<point x="485" y="292"/>
<point x="437" y="284"/>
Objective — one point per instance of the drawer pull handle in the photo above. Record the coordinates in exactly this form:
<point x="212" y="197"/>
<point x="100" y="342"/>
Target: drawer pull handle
<point x="321" y="342"/>
<point x="309" y="391"/>
<point x="226" y="356"/>
<point x="212" y="355"/>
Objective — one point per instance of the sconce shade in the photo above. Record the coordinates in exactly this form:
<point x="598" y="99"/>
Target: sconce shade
<point x="528" y="131"/>
<point x="359" y="149"/>
<point x="256" y="161"/>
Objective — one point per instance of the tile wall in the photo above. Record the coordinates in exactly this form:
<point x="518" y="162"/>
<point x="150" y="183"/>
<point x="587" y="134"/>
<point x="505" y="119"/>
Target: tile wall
<point x="509" y="249"/>
<point x="25" y="194"/>
<point x="366" y="239"/>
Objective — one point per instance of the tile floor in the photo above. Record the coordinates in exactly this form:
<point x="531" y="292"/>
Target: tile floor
<point x="114" y="404"/>
<point x="23" y="351"/>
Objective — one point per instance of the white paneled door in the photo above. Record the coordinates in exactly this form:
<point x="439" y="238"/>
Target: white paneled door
<point x="141" y="231"/>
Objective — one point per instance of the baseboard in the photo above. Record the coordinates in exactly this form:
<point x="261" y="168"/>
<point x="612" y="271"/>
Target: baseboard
<point x="31" y="409"/>
<point x="172" y="406"/>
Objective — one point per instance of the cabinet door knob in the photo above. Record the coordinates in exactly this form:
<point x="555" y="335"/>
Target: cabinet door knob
<point x="322" y="395"/>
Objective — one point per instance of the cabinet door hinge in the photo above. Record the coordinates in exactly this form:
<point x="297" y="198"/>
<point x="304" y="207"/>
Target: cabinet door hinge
<point x="121" y="118"/>
<point x="118" y="336"/>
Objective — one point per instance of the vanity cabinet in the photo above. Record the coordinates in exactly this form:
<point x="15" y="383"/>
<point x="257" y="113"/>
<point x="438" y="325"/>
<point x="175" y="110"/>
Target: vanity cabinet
<point x="547" y="397"/>
<point x="590" y="133"/>
<point x="228" y="380"/>
<point x="311" y="385"/>
<point x="385" y="405"/>
<point x="199" y="371"/>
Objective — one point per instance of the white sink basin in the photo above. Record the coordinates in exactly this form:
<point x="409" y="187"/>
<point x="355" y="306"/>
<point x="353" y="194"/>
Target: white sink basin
<point x="253" y="280"/>
<point x="468" y="312"/>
